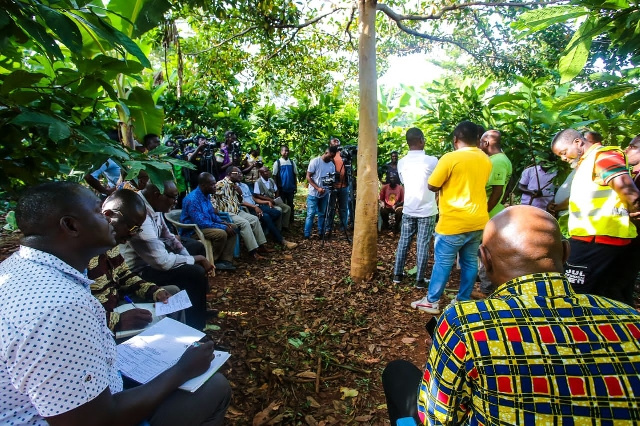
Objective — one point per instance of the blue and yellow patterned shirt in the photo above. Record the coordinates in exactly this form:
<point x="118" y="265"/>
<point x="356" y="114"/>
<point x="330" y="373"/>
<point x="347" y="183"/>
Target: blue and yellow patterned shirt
<point x="534" y="353"/>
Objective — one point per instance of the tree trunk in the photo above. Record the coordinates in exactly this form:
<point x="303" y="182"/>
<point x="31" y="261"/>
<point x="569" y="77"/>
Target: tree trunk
<point x="365" y="236"/>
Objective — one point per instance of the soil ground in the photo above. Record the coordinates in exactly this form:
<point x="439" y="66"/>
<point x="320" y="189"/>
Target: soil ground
<point x="308" y="345"/>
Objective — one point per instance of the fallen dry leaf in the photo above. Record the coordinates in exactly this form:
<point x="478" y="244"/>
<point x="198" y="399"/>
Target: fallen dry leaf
<point x="312" y="402"/>
<point x="307" y="374"/>
<point x="348" y="393"/>
<point x="264" y="416"/>
<point x="408" y="340"/>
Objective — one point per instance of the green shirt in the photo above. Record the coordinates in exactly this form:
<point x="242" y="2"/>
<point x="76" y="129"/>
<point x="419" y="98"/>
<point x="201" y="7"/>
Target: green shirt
<point x="500" y="174"/>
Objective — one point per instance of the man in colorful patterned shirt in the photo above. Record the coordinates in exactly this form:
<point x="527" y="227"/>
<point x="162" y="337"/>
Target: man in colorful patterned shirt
<point x="602" y="206"/>
<point x="534" y="352"/>
<point x="112" y="278"/>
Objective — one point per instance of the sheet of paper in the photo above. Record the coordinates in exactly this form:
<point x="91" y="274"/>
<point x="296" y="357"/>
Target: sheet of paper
<point x="158" y="348"/>
<point x="148" y="306"/>
<point x="177" y="302"/>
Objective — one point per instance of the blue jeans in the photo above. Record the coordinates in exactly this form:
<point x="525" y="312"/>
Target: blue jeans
<point x="342" y="195"/>
<point x="446" y="247"/>
<point x="268" y="219"/>
<point x="315" y="206"/>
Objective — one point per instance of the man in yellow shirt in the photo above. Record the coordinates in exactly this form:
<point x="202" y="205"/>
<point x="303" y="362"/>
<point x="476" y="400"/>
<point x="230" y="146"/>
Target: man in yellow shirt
<point x="460" y="177"/>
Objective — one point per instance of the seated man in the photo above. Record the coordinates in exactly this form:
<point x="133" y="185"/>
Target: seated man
<point x="158" y="256"/>
<point x="267" y="214"/>
<point x="58" y="356"/>
<point x="265" y="189"/>
<point x="391" y="200"/>
<point x="112" y="279"/>
<point x="226" y="200"/>
<point x="534" y="352"/>
<point x="197" y="209"/>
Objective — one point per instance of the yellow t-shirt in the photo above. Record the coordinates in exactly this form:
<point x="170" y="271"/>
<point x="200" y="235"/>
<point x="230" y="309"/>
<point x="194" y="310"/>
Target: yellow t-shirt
<point x="462" y="176"/>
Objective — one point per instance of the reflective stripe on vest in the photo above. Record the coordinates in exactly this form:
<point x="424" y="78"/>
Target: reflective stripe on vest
<point x="596" y="209"/>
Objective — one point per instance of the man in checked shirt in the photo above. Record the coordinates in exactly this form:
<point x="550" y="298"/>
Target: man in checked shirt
<point x="534" y="352"/>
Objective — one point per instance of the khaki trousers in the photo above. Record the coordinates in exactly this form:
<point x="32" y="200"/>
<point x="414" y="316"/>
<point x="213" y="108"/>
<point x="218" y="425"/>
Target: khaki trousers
<point x="223" y="245"/>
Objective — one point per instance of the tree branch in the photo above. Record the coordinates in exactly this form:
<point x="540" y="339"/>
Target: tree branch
<point x="310" y="22"/>
<point x="285" y="44"/>
<point x="398" y="17"/>
<point x="233" y="37"/>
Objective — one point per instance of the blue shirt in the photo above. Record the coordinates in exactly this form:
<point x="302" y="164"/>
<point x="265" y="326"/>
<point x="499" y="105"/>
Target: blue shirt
<point x="197" y="208"/>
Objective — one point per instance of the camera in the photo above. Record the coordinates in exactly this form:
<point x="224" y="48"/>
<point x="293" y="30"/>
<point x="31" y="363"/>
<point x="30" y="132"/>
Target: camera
<point x="348" y="152"/>
<point x="259" y="163"/>
<point x="329" y="180"/>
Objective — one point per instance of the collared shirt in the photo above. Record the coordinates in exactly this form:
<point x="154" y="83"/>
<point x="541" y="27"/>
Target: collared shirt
<point x="226" y="197"/>
<point x="197" y="209"/>
<point x="247" y="195"/>
<point x="155" y="245"/>
<point x="56" y="352"/>
<point x="534" y="353"/>
<point x="112" y="279"/>
<point x="269" y="186"/>
<point x="110" y="170"/>
<point x="414" y="169"/>
<point x="536" y="178"/>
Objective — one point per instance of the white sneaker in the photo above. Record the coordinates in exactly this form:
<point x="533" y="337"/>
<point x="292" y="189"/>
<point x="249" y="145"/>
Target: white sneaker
<point x="426" y="306"/>
<point x="453" y="301"/>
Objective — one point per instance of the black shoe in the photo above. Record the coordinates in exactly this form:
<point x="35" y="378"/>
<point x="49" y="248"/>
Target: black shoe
<point x="224" y="265"/>
<point x="397" y="279"/>
<point x="421" y="284"/>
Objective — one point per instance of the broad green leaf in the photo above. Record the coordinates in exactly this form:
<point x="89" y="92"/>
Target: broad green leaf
<point x="20" y="78"/>
<point x="596" y="96"/>
<point x="574" y="60"/>
<point x="39" y="34"/>
<point x="31" y="118"/>
<point x="146" y="116"/>
<point x="539" y="19"/>
<point x="66" y="30"/>
<point x="58" y="131"/>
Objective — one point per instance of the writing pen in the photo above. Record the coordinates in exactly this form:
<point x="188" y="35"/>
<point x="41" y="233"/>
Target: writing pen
<point x="128" y="300"/>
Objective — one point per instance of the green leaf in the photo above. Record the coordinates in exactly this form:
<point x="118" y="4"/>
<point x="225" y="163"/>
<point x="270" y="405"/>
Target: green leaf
<point x="39" y="35"/>
<point x="20" y="78"/>
<point x="574" y="60"/>
<point x="66" y="30"/>
<point x="295" y="342"/>
<point x="594" y="97"/>
<point x="146" y="116"/>
<point x="539" y="19"/>
<point x="58" y="131"/>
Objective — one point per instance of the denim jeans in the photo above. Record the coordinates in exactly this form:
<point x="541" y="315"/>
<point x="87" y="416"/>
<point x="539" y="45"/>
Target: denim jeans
<point x="446" y="247"/>
<point x="342" y="195"/>
<point x="315" y="206"/>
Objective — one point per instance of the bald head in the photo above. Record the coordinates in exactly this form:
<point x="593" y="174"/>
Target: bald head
<point x="490" y="142"/>
<point x="522" y="240"/>
<point x="127" y="202"/>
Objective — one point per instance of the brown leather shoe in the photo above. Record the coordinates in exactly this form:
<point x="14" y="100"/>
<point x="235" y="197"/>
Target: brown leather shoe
<point x="264" y="249"/>
<point x="257" y="256"/>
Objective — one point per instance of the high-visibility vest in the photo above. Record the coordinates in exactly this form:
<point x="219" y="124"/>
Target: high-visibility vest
<point x="597" y="209"/>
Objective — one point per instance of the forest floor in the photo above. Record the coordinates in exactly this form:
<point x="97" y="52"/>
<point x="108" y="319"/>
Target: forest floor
<point x="307" y="344"/>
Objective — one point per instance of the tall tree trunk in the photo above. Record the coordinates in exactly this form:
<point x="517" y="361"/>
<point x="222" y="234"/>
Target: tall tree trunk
<point x="365" y="236"/>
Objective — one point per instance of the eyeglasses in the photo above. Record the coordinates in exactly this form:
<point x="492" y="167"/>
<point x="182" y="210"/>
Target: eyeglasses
<point x="135" y="229"/>
<point x="172" y="197"/>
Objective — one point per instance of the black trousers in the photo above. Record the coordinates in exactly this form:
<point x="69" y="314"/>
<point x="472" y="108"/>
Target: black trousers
<point x="191" y="278"/>
<point x="400" y="380"/>
<point x="287" y="198"/>
<point x="603" y="269"/>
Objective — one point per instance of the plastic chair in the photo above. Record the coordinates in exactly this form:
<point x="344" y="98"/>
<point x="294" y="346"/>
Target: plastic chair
<point x="225" y="216"/>
<point x="174" y="217"/>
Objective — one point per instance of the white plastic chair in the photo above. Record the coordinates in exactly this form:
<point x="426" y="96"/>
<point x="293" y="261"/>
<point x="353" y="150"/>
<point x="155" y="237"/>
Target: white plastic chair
<point x="174" y="218"/>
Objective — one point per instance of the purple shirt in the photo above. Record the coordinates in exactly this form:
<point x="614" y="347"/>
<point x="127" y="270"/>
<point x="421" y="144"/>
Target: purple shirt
<point x="529" y="180"/>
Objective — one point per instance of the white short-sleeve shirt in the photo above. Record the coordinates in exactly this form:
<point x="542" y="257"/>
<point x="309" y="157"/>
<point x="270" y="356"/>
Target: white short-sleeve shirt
<point x="56" y="351"/>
